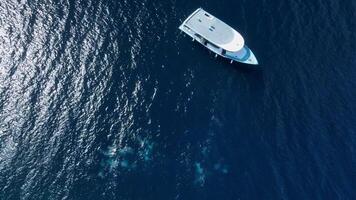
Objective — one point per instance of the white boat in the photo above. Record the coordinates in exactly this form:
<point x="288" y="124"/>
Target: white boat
<point x="218" y="37"/>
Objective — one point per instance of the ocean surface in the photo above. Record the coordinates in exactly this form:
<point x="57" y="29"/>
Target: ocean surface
<point x="106" y="99"/>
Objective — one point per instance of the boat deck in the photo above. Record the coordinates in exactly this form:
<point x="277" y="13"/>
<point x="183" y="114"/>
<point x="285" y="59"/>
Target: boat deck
<point x="214" y="30"/>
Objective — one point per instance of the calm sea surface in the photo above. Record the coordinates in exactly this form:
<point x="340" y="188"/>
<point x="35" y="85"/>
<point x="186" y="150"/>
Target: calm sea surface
<point x="106" y="99"/>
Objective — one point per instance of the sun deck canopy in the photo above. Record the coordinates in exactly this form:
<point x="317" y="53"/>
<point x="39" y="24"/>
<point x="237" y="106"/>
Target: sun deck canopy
<point x="214" y="30"/>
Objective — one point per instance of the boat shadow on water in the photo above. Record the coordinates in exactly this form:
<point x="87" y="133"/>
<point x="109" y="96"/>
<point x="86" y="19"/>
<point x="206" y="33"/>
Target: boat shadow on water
<point x="257" y="70"/>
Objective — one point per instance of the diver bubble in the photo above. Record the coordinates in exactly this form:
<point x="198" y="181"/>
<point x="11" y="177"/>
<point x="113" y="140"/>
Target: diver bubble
<point x="199" y="174"/>
<point x="113" y="164"/>
<point x="222" y="168"/>
<point x="124" y="164"/>
<point x="125" y="151"/>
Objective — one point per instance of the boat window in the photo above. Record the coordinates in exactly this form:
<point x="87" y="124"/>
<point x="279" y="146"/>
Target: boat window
<point x="206" y="14"/>
<point x="196" y="34"/>
<point x="199" y="20"/>
<point x="213" y="27"/>
<point x="213" y="45"/>
<point x="210" y="29"/>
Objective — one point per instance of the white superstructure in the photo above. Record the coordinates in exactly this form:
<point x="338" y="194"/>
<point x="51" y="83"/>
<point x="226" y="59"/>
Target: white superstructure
<point x="217" y="36"/>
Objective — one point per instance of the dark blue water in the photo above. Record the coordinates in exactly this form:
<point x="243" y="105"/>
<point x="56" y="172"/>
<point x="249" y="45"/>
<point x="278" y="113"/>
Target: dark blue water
<point x="107" y="100"/>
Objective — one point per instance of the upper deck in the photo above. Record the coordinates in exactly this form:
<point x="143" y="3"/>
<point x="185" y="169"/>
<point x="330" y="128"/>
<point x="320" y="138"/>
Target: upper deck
<point x="214" y="30"/>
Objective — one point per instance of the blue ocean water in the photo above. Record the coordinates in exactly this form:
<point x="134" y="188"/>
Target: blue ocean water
<point x="106" y="99"/>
